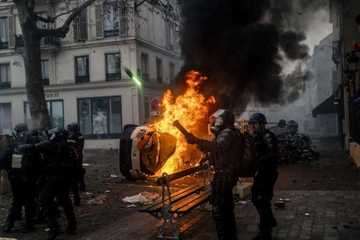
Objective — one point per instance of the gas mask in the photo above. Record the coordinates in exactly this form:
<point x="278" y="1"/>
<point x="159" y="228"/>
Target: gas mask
<point x="216" y="125"/>
<point x="220" y="120"/>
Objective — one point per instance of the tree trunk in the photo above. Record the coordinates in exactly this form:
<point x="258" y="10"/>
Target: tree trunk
<point x="34" y="85"/>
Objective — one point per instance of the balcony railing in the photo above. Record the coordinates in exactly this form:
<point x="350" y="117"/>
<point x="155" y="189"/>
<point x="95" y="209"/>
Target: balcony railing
<point x="45" y="42"/>
<point x="4" y="45"/>
<point x="4" y="85"/>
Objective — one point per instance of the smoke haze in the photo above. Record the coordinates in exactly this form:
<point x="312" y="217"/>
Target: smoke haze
<point x="243" y="46"/>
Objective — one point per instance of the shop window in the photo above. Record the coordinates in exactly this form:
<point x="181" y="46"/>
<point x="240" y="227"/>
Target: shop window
<point x="56" y="112"/>
<point x="100" y="116"/>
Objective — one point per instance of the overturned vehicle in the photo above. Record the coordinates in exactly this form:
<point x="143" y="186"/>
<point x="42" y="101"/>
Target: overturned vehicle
<point x="144" y="151"/>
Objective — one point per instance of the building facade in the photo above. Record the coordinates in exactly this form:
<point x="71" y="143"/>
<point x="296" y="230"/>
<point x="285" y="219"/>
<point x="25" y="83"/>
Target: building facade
<point x="345" y="54"/>
<point x="84" y="72"/>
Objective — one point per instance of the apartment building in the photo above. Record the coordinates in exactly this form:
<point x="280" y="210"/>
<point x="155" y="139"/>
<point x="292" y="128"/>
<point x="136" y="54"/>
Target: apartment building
<point x="84" y="72"/>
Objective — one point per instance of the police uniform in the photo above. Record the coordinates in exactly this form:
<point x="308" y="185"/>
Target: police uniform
<point x="59" y="174"/>
<point x="23" y="173"/>
<point x="224" y="156"/>
<point x="76" y="144"/>
<point x="266" y="157"/>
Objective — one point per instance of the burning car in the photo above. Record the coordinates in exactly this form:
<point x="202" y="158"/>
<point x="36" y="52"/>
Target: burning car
<point x="158" y="147"/>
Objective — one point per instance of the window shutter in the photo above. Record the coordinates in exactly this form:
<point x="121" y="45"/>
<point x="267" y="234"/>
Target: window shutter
<point x="83" y="28"/>
<point x="99" y="14"/>
<point x="76" y="26"/>
<point x="124" y="22"/>
<point x="12" y="30"/>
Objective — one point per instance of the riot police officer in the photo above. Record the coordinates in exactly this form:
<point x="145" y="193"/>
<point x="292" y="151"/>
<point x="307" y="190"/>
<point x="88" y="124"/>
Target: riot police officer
<point x="23" y="173"/>
<point x="292" y="127"/>
<point x="266" y="157"/>
<point x="224" y="156"/>
<point x="59" y="174"/>
<point x="76" y="145"/>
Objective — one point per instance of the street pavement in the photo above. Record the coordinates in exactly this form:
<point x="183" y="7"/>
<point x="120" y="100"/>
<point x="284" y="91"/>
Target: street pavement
<point x="323" y="203"/>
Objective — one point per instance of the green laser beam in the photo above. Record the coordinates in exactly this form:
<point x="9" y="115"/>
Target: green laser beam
<point x="137" y="81"/>
<point x="133" y="77"/>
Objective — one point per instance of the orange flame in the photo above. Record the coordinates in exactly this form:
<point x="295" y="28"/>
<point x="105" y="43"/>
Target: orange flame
<point x="192" y="110"/>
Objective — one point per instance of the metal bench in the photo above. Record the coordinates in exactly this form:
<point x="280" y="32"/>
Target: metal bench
<point x="173" y="206"/>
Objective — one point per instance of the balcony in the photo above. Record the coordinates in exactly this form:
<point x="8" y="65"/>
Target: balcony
<point x="46" y="42"/>
<point x="5" y="85"/>
<point x="4" y="45"/>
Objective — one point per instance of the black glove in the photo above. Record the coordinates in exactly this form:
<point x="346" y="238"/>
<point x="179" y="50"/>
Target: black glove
<point x="191" y="139"/>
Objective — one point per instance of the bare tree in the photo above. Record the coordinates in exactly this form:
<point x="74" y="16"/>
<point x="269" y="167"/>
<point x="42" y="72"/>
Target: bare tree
<point x="33" y="34"/>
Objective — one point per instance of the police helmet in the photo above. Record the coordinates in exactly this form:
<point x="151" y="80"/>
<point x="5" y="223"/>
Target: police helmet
<point x="221" y="119"/>
<point x="21" y="127"/>
<point x="282" y="123"/>
<point x="73" y="127"/>
<point x="257" y="118"/>
<point x="293" y="124"/>
<point x="57" y="134"/>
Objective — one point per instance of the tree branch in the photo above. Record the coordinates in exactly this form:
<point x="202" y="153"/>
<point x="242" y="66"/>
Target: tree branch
<point x="64" y="29"/>
<point x="138" y="4"/>
<point x="47" y="19"/>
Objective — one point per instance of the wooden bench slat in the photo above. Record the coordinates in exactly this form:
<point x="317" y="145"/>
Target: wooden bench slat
<point x="202" y="199"/>
<point x="174" y="198"/>
<point x="187" y="201"/>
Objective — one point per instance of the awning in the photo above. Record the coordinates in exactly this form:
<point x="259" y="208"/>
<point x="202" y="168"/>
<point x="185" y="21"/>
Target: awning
<point x="326" y="107"/>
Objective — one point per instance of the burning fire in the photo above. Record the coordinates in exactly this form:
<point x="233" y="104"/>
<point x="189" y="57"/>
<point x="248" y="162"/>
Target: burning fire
<point x="192" y="110"/>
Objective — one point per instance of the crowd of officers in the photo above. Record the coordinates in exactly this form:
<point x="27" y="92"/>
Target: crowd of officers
<point x="256" y="151"/>
<point x="43" y="167"/>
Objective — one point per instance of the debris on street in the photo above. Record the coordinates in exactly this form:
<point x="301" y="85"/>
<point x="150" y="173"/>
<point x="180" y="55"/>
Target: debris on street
<point x="143" y="198"/>
<point x="98" y="200"/>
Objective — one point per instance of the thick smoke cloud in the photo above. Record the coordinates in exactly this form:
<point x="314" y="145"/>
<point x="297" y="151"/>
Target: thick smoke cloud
<point x="233" y="43"/>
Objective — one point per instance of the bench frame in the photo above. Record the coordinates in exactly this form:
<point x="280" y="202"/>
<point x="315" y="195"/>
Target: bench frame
<point x="166" y="211"/>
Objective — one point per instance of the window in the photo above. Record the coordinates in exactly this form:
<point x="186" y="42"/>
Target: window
<point x="111" y="19"/>
<point x="168" y="33"/>
<point x="145" y="66"/>
<point x="5" y="119"/>
<point x="82" y="69"/>
<point x="45" y="71"/>
<point x="5" y="75"/>
<point x="100" y="116"/>
<point x="113" y="66"/>
<point x="171" y="72"/>
<point x="4" y="33"/>
<point x="56" y="112"/>
<point x="159" y="70"/>
<point x="80" y="27"/>
<point x="147" y="108"/>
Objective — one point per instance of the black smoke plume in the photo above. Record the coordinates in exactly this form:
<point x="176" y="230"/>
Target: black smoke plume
<point x="233" y="43"/>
